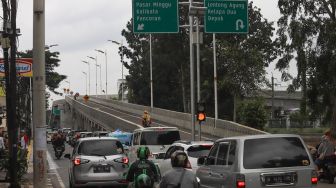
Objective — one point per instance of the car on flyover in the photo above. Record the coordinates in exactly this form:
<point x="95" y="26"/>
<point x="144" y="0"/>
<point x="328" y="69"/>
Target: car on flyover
<point x="194" y="150"/>
<point x="258" y="161"/>
<point x="98" y="161"/>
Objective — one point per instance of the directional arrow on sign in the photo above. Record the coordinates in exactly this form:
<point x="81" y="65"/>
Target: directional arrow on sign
<point x="141" y="27"/>
<point x="239" y="24"/>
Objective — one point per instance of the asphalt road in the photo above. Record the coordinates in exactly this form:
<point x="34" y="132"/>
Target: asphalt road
<point x="60" y="167"/>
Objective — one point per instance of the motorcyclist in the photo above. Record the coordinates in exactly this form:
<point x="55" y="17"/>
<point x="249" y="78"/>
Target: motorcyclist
<point x="142" y="167"/>
<point x="58" y="140"/>
<point x="325" y="152"/>
<point x="146" y="119"/>
<point x="178" y="177"/>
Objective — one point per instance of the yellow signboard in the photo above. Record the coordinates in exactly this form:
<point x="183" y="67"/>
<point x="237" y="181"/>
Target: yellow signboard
<point x="2" y="91"/>
<point x="24" y="67"/>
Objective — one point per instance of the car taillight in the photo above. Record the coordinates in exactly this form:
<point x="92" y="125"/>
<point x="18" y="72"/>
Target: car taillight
<point x="240" y="181"/>
<point x="78" y="161"/>
<point x="125" y="160"/>
<point x="314" y="178"/>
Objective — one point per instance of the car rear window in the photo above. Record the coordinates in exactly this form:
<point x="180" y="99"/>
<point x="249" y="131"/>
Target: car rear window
<point x="100" y="147"/>
<point x="159" y="137"/>
<point x="199" y="151"/>
<point x="274" y="153"/>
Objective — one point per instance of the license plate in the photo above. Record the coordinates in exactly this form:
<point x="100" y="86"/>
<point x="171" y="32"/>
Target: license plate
<point x="279" y="179"/>
<point x="101" y="169"/>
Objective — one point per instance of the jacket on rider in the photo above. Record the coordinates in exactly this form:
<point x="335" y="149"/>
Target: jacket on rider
<point x="142" y="166"/>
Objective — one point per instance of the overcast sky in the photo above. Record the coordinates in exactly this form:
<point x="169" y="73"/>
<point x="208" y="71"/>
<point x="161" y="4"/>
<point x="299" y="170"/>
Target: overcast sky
<point x="81" y="26"/>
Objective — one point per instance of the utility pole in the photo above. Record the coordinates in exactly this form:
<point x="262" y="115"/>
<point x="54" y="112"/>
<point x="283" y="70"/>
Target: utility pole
<point x="39" y="114"/>
<point x="12" y="119"/>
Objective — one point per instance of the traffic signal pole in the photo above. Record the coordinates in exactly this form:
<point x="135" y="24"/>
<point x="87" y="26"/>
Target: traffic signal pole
<point x="39" y="112"/>
<point x="192" y="87"/>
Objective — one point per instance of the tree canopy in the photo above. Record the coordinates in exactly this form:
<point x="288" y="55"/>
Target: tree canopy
<point x="307" y="34"/>
<point x="53" y="78"/>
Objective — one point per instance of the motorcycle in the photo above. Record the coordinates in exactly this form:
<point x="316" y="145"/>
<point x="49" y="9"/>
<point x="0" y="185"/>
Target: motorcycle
<point x="59" y="151"/>
<point x="146" y="123"/>
<point x="328" y="173"/>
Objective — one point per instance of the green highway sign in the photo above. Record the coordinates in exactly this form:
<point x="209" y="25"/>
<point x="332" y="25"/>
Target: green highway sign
<point x="155" y="16"/>
<point x="226" y="16"/>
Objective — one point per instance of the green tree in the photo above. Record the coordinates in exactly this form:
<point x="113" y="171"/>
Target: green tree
<point x="53" y="78"/>
<point x="252" y="113"/>
<point x="308" y="33"/>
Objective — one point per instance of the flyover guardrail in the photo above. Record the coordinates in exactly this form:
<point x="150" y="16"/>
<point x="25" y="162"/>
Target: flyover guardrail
<point x="222" y="128"/>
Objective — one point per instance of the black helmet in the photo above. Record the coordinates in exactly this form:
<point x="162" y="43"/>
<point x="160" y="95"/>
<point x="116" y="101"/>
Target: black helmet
<point x="143" y="152"/>
<point x="179" y="159"/>
<point x="143" y="181"/>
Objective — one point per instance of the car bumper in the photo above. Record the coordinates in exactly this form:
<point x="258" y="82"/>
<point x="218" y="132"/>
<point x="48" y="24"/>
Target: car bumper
<point x="101" y="183"/>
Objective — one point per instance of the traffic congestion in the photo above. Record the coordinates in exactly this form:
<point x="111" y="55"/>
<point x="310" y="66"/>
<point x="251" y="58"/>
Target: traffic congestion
<point x="154" y="156"/>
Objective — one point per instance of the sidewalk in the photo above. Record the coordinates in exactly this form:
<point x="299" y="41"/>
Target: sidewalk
<point x="27" y="178"/>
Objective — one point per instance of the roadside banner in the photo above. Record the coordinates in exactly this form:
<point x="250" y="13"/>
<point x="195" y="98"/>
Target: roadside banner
<point x="24" y="67"/>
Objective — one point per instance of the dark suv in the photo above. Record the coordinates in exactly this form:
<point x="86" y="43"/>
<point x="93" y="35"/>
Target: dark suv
<point x="257" y="161"/>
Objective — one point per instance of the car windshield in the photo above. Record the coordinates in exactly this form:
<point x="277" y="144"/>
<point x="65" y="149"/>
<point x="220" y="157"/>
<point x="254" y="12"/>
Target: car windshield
<point x="199" y="151"/>
<point x="100" y="147"/>
<point x="274" y="153"/>
<point x="159" y="137"/>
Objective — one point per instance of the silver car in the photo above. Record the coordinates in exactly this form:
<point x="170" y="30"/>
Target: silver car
<point x="257" y="161"/>
<point x="98" y="162"/>
<point x="194" y="150"/>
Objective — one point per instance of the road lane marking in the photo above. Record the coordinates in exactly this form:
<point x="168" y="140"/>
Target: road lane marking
<point x="128" y="115"/>
<point x="53" y="166"/>
<point x="51" y="162"/>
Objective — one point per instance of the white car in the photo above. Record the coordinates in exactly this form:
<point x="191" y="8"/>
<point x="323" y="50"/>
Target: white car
<point x="194" y="150"/>
<point x="157" y="139"/>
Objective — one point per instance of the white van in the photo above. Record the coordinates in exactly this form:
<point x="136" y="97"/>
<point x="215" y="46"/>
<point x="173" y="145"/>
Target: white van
<point x="157" y="139"/>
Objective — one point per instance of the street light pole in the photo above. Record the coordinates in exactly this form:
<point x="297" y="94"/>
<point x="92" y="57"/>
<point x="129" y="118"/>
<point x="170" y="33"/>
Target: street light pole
<point x="68" y="83"/>
<point x="39" y="115"/>
<point x="85" y="82"/>
<point x="192" y="88"/>
<point x="151" y="69"/>
<point x="122" y="69"/>
<point x="100" y="78"/>
<point x="96" y="72"/>
<point x="215" y="77"/>
<point x="100" y="51"/>
<point x="86" y="62"/>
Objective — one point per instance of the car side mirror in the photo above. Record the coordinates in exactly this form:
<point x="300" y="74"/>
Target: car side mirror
<point x="160" y="155"/>
<point x="67" y="156"/>
<point x="201" y="160"/>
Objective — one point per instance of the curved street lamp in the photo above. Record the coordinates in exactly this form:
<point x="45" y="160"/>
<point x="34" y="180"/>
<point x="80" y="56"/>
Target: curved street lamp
<point x="100" y="51"/>
<point x="96" y="73"/>
<point x="88" y="63"/>
<point x="122" y="69"/>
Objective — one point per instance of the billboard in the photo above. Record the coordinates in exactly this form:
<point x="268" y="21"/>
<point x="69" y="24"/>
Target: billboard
<point x="24" y="67"/>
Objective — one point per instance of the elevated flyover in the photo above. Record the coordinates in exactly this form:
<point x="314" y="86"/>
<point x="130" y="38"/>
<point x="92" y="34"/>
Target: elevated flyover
<point x="107" y="114"/>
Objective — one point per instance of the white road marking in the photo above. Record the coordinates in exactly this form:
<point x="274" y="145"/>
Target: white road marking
<point x="53" y="166"/>
<point x="51" y="162"/>
<point x="128" y="115"/>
